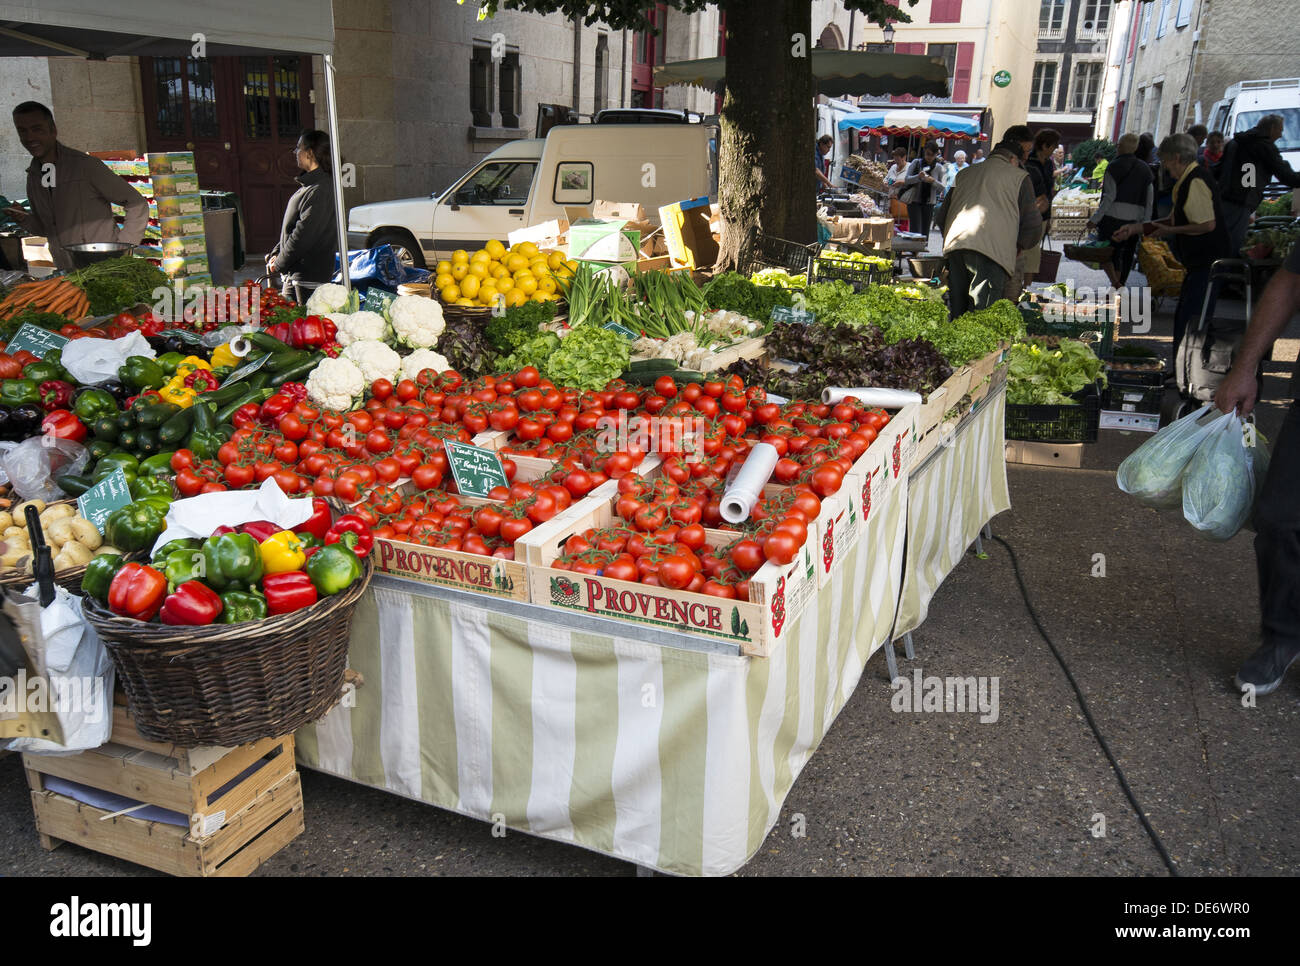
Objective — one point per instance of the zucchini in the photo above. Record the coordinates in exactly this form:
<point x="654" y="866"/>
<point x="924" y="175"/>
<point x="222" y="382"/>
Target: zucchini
<point x="228" y="391"/>
<point x="152" y="417"/>
<point x="268" y="342"/>
<point x="281" y="361"/>
<point x="177" y="429"/>
<point x="652" y="365"/>
<point x="253" y="395"/>
<point x="680" y="376"/>
<point x="205" y="412"/>
<point x="299" y="371"/>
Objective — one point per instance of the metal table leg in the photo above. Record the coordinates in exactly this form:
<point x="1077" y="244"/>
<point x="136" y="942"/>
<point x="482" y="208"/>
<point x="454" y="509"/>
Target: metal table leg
<point x="907" y="646"/>
<point x="891" y="660"/>
<point x="644" y="871"/>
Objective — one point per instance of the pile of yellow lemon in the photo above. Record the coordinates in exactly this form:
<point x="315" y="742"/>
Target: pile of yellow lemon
<point x="518" y="274"/>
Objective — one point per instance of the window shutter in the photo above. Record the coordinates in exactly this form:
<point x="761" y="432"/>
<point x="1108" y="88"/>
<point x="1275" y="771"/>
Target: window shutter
<point x="1184" y="12"/>
<point x="961" y="77"/>
<point x="945" y="11"/>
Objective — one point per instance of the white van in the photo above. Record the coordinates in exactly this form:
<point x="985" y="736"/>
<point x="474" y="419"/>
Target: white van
<point x="531" y="181"/>
<point x="1244" y="103"/>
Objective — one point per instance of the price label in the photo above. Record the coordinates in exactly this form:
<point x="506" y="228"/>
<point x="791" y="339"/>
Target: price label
<point x="247" y="369"/>
<point x="103" y="498"/>
<point x="35" y="340"/>
<point x="622" y="330"/>
<point x="476" y="470"/>
<point x="377" y="300"/>
<point x="783" y="314"/>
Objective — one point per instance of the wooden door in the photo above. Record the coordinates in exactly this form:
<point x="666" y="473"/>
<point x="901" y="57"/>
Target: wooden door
<point x="188" y="106"/>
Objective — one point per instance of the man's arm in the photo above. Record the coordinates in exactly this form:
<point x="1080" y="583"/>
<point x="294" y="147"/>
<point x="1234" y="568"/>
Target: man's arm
<point x="119" y="191"/>
<point x="1276" y="306"/>
<point x="1031" y="220"/>
<point x="1280" y="169"/>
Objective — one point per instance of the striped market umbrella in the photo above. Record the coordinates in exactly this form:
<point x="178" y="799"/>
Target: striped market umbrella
<point x="910" y="122"/>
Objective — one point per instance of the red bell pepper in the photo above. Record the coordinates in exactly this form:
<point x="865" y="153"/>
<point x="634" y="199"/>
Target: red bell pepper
<point x="312" y="332"/>
<point x="192" y="603"/>
<point x="332" y="349"/>
<point x="277" y="406"/>
<point x="55" y="394"/>
<point x="202" y="380"/>
<point x="260" y="530"/>
<point x="137" y="591"/>
<point x="286" y="593"/>
<point x="222" y="531"/>
<point x="152" y="325"/>
<point x="281" y="331"/>
<point x="295" y="389"/>
<point x="63" y="424"/>
<point x="246" y="415"/>
<point x="353" y="532"/>
<point x="320" y="521"/>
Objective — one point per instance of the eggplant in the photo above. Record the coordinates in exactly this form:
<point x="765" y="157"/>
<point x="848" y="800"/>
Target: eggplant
<point x="7" y="425"/>
<point x="25" y="420"/>
<point x="115" y="388"/>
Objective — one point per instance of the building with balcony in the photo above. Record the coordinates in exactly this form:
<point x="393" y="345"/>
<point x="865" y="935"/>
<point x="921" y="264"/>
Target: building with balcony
<point x="1070" y="66"/>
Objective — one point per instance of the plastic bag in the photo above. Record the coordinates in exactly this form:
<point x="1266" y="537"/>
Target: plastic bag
<point x="33" y="464"/>
<point x="373" y="266"/>
<point x="1220" y="482"/>
<point x="1153" y="473"/>
<point x="92" y="361"/>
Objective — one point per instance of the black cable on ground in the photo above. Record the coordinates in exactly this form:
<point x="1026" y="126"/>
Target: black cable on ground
<point x="1087" y="714"/>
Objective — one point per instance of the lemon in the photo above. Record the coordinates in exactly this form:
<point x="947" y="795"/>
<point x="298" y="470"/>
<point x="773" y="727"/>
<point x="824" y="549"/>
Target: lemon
<point x="554" y="260"/>
<point x="546" y="285"/>
<point x="443" y="280"/>
<point x="571" y="265"/>
<point x="478" y="269"/>
<point x="527" y="285"/>
<point x="499" y="270"/>
<point x="444" y="267"/>
<point x="527" y="248"/>
<point x="488" y="291"/>
<point x="449" y="294"/>
<point x="459" y="270"/>
<point x="505" y="283"/>
<point x="539" y="297"/>
<point x="469" y="286"/>
<point x="495" y="248"/>
<point x="514" y="298"/>
<point x="464" y="301"/>
<point x="480" y="256"/>
<point x="522" y="274"/>
<point x="516" y="262"/>
<point x="459" y="257"/>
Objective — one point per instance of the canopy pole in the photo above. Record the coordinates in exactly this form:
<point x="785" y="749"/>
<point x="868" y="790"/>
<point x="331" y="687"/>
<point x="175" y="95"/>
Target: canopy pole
<point x="42" y="42"/>
<point x="340" y="213"/>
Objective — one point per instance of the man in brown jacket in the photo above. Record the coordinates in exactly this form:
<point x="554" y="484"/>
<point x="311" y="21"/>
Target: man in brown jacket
<point x="70" y="192"/>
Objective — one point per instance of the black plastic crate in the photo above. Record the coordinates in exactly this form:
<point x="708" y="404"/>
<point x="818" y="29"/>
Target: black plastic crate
<point x="1096" y="326"/>
<point x="856" y="274"/>
<point x="1130" y="397"/>
<point x="1136" y="377"/>
<point x="773" y="252"/>
<point x="1057" y="424"/>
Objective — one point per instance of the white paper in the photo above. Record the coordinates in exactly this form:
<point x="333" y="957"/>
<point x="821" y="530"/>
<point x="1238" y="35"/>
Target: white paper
<point x="199" y="515"/>
<point x="92" y="361"/>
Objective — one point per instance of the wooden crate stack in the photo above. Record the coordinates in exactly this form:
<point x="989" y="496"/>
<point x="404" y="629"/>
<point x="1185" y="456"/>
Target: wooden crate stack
<point x="238" y="817"/>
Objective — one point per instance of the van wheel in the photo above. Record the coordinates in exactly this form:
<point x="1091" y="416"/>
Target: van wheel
<point x="405" y="247"/>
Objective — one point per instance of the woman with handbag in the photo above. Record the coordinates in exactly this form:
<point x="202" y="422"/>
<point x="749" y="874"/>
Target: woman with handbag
<point x="923" y="181"/>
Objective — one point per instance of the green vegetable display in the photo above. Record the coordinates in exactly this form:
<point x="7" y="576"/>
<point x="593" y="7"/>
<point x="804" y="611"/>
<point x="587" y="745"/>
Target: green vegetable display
<point x="1038" y="375"/>
<point x="118" y="283"/>
<point x="736" y="293"/>
<point x="518" y="325"/>
<point x="588" y="357"/>
<point x="534" y="352"/>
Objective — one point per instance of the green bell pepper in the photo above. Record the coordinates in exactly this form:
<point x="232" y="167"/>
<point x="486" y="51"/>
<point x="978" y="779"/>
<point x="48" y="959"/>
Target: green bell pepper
<point x="42" y="370"/>
<point x="205" y="443"/>
<point x="160" y="464"/>
<point x="114" y="461"/>
<point x="92" y="404"/>
<point x="134" y="526"/>
<point x="55" y="356"/>
<point x="333" y="569"/>
<point x="18" y="392"/>
<point x="151" y="486"/>
<point x="182" y="565"/>
<point x="238" y="606"/>
<point x="100" y="573"/>
<point x="233" y="561"/>
<point x="140" y="373"/>
<point x="189" y="544"/>
<point x="169" y="361"/>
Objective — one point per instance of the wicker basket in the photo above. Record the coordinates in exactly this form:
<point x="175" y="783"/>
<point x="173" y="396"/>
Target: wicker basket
<point x="1089" y="253"/>
<point x="475" y="313"/>
<point x="228" y="684"/>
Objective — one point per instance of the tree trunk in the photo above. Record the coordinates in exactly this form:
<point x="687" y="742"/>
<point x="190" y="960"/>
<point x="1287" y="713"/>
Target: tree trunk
<point x="766" y="183"/>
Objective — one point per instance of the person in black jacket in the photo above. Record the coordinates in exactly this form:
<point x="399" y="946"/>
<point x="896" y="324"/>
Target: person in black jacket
<point x="1250" y="161"/>
<point x="309" y="242"/>
<point x="1127" y="197"/>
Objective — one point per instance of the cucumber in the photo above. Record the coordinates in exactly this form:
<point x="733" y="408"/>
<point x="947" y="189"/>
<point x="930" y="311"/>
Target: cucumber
<point x="253" y="395"/>
<point x="152" y="417"/>
<point x="680" y="376"/>
<point x="652" y="365"/>
<point x="177" y="429"/>
<point x="205" y="413"/>
<point x="299" y="371"/>
<point x="281" y="361"/>
<point x="267" y="342"/>
<point x="227" y="392"/>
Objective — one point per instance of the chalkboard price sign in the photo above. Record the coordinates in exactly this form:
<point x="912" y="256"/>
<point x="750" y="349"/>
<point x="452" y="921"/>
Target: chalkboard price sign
<point x="476" y="470"/>
<point x="35" y="340"/>
<point x="103" y="498"/>
<point x="377" y="300"/>
<point x="622" y="330"/>
<point x="783" y="314"/>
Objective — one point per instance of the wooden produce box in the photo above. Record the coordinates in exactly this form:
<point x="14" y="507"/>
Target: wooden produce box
<point x="1045" y="454"/>
<point x="243" y="804"/>
<point x="778" y="595"/>
<point x="943" y="409"/>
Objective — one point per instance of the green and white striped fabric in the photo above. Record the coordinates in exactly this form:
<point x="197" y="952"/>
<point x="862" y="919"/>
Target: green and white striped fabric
<point x="675" y="759"/>
<point x="949" y="502"/>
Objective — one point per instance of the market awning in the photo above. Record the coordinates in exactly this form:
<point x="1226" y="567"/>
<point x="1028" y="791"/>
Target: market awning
<point x="911" y="121"/>
<point x="836" y="72"/>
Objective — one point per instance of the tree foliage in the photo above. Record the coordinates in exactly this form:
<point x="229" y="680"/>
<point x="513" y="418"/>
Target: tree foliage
<point x="635" y="14"/>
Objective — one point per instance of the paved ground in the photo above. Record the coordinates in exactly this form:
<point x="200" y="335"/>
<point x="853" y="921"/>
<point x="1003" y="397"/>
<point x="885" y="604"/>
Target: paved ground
<point x="1154" y="644"/>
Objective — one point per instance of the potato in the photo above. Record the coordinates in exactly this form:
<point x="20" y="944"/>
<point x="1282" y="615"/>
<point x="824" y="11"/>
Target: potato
<point x="104" y="548"/>
<point x="64" y="562"/>
<point x="20" y="511"/>
<point x="6" y="520"/>
<point x="75" y="552"/>
<point x="58" y="512"/>
<point x="15" y="533"/>
<point x="60" y="532"/>
<point x="84" y="532"/>
<point x="10" y="559"/>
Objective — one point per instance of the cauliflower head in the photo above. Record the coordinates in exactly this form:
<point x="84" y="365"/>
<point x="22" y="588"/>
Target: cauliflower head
<point x="417" y="321"/>
<point x="335" y="384"/>
<point x="360" y="326"/>
<point x="374" y="359"/>
<point x="422" y="359"/>
<point x="331" y="298"/>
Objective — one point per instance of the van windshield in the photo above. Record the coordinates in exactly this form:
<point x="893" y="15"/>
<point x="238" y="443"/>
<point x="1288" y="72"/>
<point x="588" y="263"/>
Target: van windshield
<point x="497" y="183"/>
<point x="1290" y="140"/>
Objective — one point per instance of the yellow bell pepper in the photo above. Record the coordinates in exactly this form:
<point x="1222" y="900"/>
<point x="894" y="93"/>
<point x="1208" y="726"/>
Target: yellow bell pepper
<point x="282" y="553"/>
<point x="189" y="364"/>
<point x="222" y="356"/>
<point x="177" y="393"/>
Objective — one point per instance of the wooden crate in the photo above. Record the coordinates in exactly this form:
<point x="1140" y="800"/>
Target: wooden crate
<point x="938" y="416"/>
<point x="238" y="817"/>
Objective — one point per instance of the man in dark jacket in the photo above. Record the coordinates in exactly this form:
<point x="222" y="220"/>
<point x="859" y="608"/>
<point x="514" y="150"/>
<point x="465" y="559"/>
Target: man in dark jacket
<point x="308" y="242"/>
<point x="1250" y="161"/>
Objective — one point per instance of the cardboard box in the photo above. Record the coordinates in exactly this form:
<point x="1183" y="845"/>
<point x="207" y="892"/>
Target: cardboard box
<point x="174" y="206"/>
<point x="170" y="162"/>
<point x="549" y="235"/>
<point x="619" y="210"/>
<point x="1045" y="454"/>
<point x="174" y="227"/>
<point x="1130" y="422"/>
<point x="170" y="185"/>
<point x="36" y="251"/>
<point x="603" y="241"/>
<point x="686" y="230"/>
<point x="179" y="246"/>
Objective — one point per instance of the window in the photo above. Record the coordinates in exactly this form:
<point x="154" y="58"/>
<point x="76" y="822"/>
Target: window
<point x="1290" y="140"/>
<point x="482" y="77"/>
<point x="1094" y="18"/>
<point x="947" y="53"/>
<point x="512" y="98"/>
<point x="1163" y="22"/>
<point x="495" y="87"/>
<point x="1157" y="94"/>
<point x="1146" y="24"/>
<point x="1184" y="16"/>
<point x="180" y="81"/>
<point x="945" y="11"/>
<point x="1087" y="86"/>
<point x="1051" y="17"/>
<point x="1042" y="93"/>
<point x="497" y="183"/>
<point x="602" y="68"/>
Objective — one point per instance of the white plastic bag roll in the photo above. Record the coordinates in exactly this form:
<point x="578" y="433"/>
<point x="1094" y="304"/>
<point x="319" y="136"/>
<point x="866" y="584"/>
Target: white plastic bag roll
<point x="868" y="396"/>
<point x="739" y="500"/>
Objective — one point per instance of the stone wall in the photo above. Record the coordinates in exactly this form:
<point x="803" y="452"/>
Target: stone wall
<point x="1235" y="46"/>
<point x="25" y="79"/>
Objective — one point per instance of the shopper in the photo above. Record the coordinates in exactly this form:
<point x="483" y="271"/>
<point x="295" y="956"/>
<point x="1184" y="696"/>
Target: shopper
<point x="1250" y="161"/>
<point x="979" y="156"/>
<point x="923" y="182"/>
<point x="1127" y="196"/>
<point x="1196" y="226"/>
<point x="824" y="144"/>
<point x="1212" y="157"/>
<point x="308" y="245"/>
<point x="1042" y="177"/>
<point x="1277" y="511"/>
<point x="951" y="171"/>
<point x="986" y="220"/>
<point x="1198" y="133"/>
<point x="71" y="193"/>
<point x="894" y="176"/>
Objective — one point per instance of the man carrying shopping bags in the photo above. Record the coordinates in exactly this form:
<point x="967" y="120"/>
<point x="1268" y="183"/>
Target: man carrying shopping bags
<point x="1277" y="511"/>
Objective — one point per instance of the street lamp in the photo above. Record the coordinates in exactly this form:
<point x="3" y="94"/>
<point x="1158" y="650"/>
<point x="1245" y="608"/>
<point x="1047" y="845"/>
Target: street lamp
<point x="889" y="33"/>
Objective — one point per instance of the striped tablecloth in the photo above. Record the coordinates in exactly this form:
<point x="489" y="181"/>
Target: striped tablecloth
<point x="669" y="757"/>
